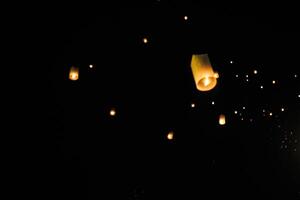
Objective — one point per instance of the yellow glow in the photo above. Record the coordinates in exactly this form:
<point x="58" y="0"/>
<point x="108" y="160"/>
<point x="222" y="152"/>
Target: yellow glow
<point x="204" y="76"/>
<point x="222" y="120"/>
<point x="170" y="135"/>
<point x="74" y="73"/>
<point x="145" y="40"/>
<point x="112" y="112"/>
<point x="206" y="81"/>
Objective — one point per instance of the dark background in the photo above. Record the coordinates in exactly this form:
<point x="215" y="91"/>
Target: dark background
<point x="83" y="153"/>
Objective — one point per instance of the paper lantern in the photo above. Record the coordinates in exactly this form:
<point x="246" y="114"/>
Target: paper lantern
<point x="222" y="119"/>
<point x="204" y="76"/>
<point x="74" y="73"/>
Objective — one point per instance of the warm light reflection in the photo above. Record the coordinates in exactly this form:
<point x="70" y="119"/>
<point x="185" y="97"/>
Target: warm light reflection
<point x="74" y="73"/>
<point x="204" y="76"/>
<point x="145" y="40"/>
<point x="273" y="81"/>
<point x="193" y="105"/>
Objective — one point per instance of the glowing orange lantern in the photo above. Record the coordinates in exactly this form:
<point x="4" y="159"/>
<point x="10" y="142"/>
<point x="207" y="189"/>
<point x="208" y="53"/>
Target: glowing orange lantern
<point x="74" y="73"/>
<point x="222" y="119"/>
<point x="204" y="76"/>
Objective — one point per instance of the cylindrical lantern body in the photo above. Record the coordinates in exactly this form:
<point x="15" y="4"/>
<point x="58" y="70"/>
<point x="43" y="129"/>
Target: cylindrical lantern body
<point x="222" y="119"/>
<point x="74" y="73"/>
<point x="204" y="76"/>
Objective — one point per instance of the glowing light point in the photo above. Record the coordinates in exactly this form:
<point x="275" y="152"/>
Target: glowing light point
<point x="185" y="18"/>
<point x="255" y="71"/>
<point x="145" y="40"/>
<point x="270" y="114"/>
<point x="261" y="87"/>
<point x="273" y="82"/>
<point x="170" y="135"/>
<point x="112" y="112"/>
<point x="231" y="62"/>
<point x="236" y="75"/>
<point x="91" y="66"/>
<point x="213" y="103"/>
<point x="235" y="112"/>
<point x="193" y="105"/>
<point x="282" y="109"/>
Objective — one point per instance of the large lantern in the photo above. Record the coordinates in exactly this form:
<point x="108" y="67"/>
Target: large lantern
<point x="74" y="73"/>
<point x="222" y="119"/>
<point x="204" y="76"/>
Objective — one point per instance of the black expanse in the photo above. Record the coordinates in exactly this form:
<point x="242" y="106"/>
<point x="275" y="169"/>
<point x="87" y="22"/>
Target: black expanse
<point x="90" y="155"/>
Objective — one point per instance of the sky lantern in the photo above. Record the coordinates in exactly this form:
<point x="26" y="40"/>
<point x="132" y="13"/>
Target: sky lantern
<point x="204" y="75"/>
<point x="170" y="135"/>
<point x="74" y="73"/>
<point x="222" y="119"/>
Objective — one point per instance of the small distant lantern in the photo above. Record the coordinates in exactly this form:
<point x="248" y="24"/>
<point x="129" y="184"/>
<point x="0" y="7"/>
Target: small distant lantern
<point x="222" y="120"/>
<point x="204" y="76"/>
<point x="112" y="112"/>
<point x="74" y="73"/>
<point x="170" y="135"/>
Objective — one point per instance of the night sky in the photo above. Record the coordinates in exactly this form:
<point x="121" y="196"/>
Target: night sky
<point x="135" y="60"/>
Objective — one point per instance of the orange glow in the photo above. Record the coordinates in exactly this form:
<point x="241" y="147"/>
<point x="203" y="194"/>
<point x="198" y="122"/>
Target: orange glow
<point x="170" y="135"/>
<point x="74" y="73"/>
<point x="204" y="76"/>
<point x="222" y="120"/>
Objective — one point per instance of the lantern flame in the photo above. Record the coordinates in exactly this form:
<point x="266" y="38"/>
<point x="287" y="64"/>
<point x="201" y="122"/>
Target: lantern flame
<point x="204" y="76"/>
